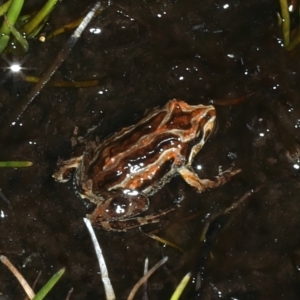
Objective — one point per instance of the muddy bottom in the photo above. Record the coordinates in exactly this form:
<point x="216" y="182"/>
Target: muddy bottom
<point x="144" y="53"/>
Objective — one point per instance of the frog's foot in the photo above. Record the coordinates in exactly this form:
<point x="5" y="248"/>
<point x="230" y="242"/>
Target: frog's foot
<point x="65" y="169"/>
<point x="123" y="225"/>
<point x="201" y="185"/>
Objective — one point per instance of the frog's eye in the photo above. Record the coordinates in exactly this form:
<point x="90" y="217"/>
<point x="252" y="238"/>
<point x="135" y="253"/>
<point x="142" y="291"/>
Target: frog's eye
<point x="122" y="206"/>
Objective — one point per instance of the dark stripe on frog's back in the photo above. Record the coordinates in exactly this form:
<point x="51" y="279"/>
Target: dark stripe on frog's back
<point x="159" y="179"/>
<point x="182" y="119"/>
<point x="147" y="155"/>
<point x="133" y="137"/>
<point x="153" y="150"/>
<point x="129" y="136"/>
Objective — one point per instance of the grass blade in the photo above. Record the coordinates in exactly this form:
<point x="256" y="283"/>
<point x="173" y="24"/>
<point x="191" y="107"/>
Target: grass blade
<point x="12" y="15"/>
<point x="181" y="286"/>
<point x="285" y="21"/>
<point x="15" y="164"/>
<point x="19" y="37"/>
<point x="4" y="7"/>
<point x="40" y="16"/>
<point x="49" y="285"/>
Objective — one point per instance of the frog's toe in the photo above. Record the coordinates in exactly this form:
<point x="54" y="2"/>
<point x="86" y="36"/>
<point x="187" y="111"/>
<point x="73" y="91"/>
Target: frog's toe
<point x="62" y="175"/>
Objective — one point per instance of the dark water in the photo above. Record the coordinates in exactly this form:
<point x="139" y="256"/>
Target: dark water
<point x="147" y="53"/>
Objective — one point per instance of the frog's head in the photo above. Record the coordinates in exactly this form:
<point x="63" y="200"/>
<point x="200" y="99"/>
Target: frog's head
<point x="121" y="205"/>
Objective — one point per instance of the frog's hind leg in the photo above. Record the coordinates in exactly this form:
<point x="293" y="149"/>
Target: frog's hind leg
<point x="124" y="225"/>
<point x="193" y="180"/>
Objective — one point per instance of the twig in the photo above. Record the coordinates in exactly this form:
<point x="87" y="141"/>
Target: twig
<point x="110" y="294"/>
<point x="4" y="197"/>
<point x="35" y="282"/>
<point x="228" y="210"/>
<point x="162" y="240"/>
<point x="145" y="277"/>
<point x="18" y="275"/>
<point x="146" y="269"/>
<point x="69" y="294"/>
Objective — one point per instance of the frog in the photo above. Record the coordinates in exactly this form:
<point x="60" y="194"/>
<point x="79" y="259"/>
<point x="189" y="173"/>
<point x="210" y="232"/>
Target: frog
<point x="120" y="173"/>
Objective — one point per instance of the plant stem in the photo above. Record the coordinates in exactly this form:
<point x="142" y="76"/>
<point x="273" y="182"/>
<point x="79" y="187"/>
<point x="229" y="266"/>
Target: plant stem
<point x="39" y="17"/>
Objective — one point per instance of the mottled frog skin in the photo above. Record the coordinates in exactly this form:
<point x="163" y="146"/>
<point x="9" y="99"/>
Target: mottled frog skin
<point x="120" y="173"/>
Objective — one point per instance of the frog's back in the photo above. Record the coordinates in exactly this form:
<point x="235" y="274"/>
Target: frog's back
<point x="146" y="155"/>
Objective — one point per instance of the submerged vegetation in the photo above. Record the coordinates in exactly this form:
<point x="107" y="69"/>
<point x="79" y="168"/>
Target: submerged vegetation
<point x="21" y="27"/>
<point x="109" y="292"/>
<point x="289" y="20"/>
<point x="42" y="293"/>
<point x="15" y="164"/>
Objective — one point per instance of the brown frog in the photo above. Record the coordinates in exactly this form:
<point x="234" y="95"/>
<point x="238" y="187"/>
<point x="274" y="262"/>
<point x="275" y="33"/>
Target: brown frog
<point x="120" y="173"/>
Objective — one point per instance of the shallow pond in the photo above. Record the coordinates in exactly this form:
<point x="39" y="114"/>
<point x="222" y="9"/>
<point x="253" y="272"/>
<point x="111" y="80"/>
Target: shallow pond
<point x="144" y="54"/>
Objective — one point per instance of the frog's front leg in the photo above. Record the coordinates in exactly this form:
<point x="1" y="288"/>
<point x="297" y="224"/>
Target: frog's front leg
<point x="192" y="178"/>
<point x="124" y="225"/>
<point x="65" y="166"/>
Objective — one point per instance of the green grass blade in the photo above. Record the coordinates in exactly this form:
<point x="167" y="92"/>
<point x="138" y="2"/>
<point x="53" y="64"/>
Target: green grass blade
<point x="181" y="287"/>
<point x="49" y="285"/>
<point x="285" y="21"/>
<point x="19" y="37"/>
<point x="294" y="43"/>
<point x="4" y="7"/>
<point x="40" y="16"/>
<point x="3" y="42"/>
<point x="15" y="164"/>
<point x="12" y="15"/>
<point x="39" y="28"/>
